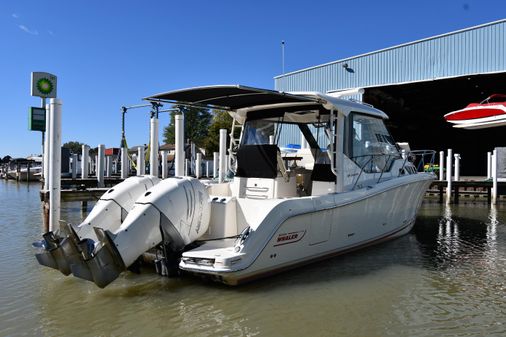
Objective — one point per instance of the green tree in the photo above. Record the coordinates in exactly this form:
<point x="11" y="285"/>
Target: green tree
<point x="221" y="120"/>
<point x="196" y="124"/>
<point x="75" y="147"/>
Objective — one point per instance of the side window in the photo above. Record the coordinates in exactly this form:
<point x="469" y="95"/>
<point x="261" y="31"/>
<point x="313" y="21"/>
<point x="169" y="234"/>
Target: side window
<point x="370" y="144"/>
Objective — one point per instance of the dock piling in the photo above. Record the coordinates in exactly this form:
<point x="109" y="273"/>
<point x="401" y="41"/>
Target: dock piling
<point x="153" y="153"/>
<point x="441" y="165"/>
<point x="198" y="166"/>
<point x="457" y="167"/>
<point x="223" y="155"/>
<point x="179" y="155"/>
<point x="165" y="172"/>
<point x="494" y="177"/>
<point x="54" y="163"/>
<point x="215" y="164"/>
<point x="489" y="165"/>
<point x="141" y="161"/>
<point x="100" y="165"/>
<point x="124" y="163"/>
<point x="85" y="158"/>
<point x="449" y="176"/>
<point x="74" y="165"/>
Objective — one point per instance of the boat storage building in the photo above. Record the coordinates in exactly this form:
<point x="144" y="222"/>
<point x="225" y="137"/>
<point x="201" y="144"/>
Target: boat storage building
<point x="416" y="83"/>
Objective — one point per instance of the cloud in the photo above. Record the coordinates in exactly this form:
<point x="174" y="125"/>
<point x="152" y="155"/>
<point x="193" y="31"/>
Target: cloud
<point x="27" y="30"/>
<point x="15" y="16"/>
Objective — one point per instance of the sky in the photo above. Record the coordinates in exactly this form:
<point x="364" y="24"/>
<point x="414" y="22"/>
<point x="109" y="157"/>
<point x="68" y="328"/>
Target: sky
<point x="108" y="54"/>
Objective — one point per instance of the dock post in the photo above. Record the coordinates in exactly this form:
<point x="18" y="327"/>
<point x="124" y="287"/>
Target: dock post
<point x="457" y="167"/>
<point x="108" y="166"/>
<point x="489" y="165"/>
<point x="74" y="165"/>
<point x="141" y="161"/>
<point x="198" y="165"/>
<point x="441" y="165"/>
<point x="187" y="167"/>
<point x="449" y="176"/>
<point x="179" y="155"/>
<point x="223" y="155"/>
<point x="124" y="163"/>
<point x="54" y="163"/>
<point x="494" y="177"/>
<point x="46" y="151"/>
<point x="153" y="153"/>
<point x="192" y="157"/>
<point x="84" y="161"/>
<point x="165" y="172"/>
<point x="215" y="164"/>
<point x="207" y="168"/>
<point x="100" y="165"/>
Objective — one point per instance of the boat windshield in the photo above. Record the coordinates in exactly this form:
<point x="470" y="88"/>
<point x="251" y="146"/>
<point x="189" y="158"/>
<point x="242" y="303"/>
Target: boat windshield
<point x="258" y="132"/>
<point x="370" y="144"/>
<point x="496" y="98"/>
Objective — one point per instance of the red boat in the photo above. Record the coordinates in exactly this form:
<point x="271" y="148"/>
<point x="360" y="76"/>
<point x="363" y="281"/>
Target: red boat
<point x="489" y="113"/>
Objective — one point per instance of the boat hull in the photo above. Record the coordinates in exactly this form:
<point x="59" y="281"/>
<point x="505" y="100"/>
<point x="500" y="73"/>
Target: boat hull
<point x="478" y="116"/>
<point x="338" y="224"/>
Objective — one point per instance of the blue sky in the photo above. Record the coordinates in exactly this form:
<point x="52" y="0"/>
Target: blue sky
<point x="112" y="53"/>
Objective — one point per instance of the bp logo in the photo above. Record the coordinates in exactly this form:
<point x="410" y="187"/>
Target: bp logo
<point x="45" y="86"/>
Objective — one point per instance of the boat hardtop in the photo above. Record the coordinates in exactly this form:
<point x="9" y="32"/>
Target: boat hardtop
<point x="243" y="100"/>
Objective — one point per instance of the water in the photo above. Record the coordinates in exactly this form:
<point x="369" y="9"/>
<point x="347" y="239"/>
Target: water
<point x="446" y="278"/>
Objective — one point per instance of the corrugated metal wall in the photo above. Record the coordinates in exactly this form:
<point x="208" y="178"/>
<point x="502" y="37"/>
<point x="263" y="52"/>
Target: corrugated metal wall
<point x="475" y="50"/>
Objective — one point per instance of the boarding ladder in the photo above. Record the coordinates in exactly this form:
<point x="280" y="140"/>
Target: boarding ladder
<point x="234" y="144"/>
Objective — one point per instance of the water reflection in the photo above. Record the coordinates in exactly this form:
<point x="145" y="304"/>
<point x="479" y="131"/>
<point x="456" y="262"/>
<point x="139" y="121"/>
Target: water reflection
<point x="447" y="277"/>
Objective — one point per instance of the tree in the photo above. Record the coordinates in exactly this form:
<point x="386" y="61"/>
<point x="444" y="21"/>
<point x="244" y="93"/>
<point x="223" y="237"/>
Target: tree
<point x="73" y="146"/>
<point x="196" y="124"/>
<point x="221" y="120"/>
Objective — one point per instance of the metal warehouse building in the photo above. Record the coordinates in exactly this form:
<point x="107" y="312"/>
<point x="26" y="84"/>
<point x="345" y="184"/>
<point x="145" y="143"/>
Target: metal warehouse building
<point x="417" y="83"/>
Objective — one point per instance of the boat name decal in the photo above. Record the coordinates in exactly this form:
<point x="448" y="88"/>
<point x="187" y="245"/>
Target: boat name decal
<point x="286" y="238"/>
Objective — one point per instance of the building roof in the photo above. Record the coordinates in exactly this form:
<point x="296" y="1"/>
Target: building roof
<point x="474" y="50"/>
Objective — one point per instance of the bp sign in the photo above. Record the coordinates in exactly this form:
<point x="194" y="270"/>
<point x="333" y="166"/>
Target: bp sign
<point x="43" y="85"/>
<point x="37" y="119"/>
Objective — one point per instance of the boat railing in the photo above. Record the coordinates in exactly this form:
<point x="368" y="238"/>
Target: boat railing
<point x="419" y="161"/>
<point x="413" y="162"/>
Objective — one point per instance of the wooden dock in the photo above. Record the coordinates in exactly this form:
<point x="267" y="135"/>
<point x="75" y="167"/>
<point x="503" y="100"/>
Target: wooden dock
<point x="468" y="189"/>
<point x="81" y="189"/>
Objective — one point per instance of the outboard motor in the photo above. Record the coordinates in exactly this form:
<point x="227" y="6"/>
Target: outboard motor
<point x="60" y="252"/>
<point x="176" y="211"/>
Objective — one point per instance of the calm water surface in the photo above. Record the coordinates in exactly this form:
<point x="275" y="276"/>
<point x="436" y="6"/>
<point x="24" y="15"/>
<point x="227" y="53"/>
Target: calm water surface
<point x="446" y="278"/>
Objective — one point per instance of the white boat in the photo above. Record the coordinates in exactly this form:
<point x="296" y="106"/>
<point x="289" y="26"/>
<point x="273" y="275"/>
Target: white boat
<point x="22" y="169"/>
<point x="349" y="189"/>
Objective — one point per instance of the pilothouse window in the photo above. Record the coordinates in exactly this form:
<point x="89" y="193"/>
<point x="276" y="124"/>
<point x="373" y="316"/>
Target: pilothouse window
<point x="370" y="145"/>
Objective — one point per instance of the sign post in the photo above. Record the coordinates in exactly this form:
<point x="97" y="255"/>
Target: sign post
<point x="43" y="85"/>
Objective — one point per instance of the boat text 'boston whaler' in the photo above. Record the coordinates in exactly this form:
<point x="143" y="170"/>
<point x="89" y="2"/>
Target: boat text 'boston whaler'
<point x="350" y="187"/>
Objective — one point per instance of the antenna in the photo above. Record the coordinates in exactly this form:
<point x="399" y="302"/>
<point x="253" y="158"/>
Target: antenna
<point x="282" y="57"/>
